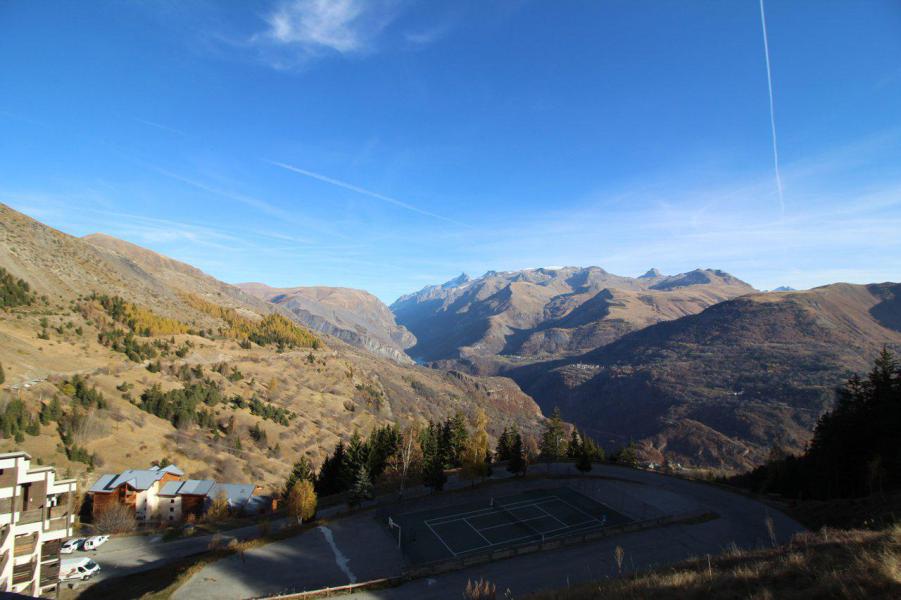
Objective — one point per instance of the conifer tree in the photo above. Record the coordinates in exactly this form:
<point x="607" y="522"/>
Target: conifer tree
<point x="335" y="475"/>
<point x="575" y="446"/>
<point x="433" y="474"/>
<point x="552" y="439"/>
<point x="583" y="458"/>
<point x="504" y="445"/>
<point x="517" y="463"/>
<point x="361" y="489"/>
<point x="302" y="471"/>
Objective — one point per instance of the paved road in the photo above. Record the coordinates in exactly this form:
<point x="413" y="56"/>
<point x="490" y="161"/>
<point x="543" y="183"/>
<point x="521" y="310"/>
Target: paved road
<point x="361" y="549"/>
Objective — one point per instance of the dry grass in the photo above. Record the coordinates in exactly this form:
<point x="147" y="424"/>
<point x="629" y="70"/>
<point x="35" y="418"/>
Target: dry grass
<point x="829" y="564"/>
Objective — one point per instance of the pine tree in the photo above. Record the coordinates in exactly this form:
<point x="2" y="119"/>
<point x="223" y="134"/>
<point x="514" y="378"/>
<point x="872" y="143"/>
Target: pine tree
<point x="552" y="447"/>
<point x="594" y="451"/>
<point x="504" y="445"/>
<point x="383" y="443"/>
<point x="575" y="447"/>
<point x="361" y="489"/>
<point x="583" y="457"/>
<point x="628" y="456"/>
<point x="357" y="452"/>
<point x="458" y="436"/>
<point x="335" y="475"/>
<point x="517" y="463"/>
<point x="302" y="471"/>
<point x="433" y="474"/>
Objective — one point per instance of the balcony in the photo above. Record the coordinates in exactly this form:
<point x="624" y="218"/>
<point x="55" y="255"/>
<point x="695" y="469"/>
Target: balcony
<point x="24" y="544"/>
<point x="54" y="512"/>
<point x="50" y="552"/>
<point x="59" y="523"/>
<point x="34" y="515"/>
<point x="23" y="573"/>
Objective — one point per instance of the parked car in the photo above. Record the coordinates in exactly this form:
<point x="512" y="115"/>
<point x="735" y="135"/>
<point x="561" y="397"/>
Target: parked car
<point x="94" y="542"/>
<point x="70" y="546"/>
<point x="77" y="568"/>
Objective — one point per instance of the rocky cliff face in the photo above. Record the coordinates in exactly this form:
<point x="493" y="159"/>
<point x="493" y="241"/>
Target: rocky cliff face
<point x="355" y="316"/>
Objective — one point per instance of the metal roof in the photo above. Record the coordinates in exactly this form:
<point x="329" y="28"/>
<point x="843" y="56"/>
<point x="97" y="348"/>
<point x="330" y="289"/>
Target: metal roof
<point x="193" y="487"/>
<point x="238" y="493"/>
<point x="100" y="484"/>
<point x="139" y="479"/>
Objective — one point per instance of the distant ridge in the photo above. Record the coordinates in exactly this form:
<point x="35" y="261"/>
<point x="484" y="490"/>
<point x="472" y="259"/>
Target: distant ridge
<point x="355" y="316"/>
<point x="550" y="311"/>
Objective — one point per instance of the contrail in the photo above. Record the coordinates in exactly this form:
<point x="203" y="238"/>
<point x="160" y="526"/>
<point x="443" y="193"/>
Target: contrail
<point x="769" y="81"/>
<point x="363" y="191"/>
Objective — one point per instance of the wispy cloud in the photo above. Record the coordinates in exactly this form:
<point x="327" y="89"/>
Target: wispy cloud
<point x="426" y="37"/>
<point x="162" y="127"/>
<point x="300" y="30"/>
<point x="363" y="191"/>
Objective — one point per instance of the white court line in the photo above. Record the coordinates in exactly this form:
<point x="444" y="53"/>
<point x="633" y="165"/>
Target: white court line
<point x="552" y="516"/>
<point x="508" y="523"/>
<point x="577" y="509"/>
<point x="486" y="511"/>
<point x="487" y="541"/>
<point x="455" y="518"/>
<point x="440" y="539"/>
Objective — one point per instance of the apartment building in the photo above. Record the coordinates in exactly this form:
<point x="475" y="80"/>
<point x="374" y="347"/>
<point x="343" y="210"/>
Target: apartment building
<point x="36" y="515"/>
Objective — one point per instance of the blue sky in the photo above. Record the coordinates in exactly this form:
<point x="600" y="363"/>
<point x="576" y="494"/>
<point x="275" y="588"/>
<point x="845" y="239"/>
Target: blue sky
<point x="387" y="145"/>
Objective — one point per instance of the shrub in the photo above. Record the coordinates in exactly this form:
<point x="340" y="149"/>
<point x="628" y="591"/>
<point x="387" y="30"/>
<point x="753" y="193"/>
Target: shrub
<point x="117" y="518"/>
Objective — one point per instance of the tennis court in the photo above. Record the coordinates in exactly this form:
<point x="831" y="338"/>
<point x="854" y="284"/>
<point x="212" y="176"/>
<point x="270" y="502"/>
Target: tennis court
<point x="533" y="516"/>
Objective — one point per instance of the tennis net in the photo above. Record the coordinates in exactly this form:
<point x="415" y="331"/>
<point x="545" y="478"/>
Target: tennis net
<point x="516" y="520"/>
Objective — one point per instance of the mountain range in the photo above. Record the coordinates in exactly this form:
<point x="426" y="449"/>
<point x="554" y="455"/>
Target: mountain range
<point x="550" y="312"/>
<point x="271" y="391"/>
<point x="697" y="367"/>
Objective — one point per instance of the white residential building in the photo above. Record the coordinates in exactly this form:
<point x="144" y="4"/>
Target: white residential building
<point x="36" y="515"/>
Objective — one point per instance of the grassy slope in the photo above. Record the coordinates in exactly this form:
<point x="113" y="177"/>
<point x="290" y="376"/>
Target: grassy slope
<point x="828" y="564"/>
<point x="324" y="393"/>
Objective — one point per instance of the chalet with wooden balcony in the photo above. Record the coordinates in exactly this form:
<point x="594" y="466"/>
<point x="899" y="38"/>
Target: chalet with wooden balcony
<point x="136" y="488"/>
<point x="162" y="495"/>
<point x="36" y="515"/>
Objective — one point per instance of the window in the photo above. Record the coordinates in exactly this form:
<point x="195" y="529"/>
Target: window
<point x="171" y="509"/>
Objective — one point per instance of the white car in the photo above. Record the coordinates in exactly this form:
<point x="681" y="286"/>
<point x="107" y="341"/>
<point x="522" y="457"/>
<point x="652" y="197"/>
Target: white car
<point x="77" y="568"/>
<point x="94" y="542"/>
<point x="70" y="546"/>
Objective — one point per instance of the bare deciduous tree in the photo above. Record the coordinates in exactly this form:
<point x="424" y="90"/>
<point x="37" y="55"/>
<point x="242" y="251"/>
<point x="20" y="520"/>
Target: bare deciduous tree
<point x="116" y="518"/>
